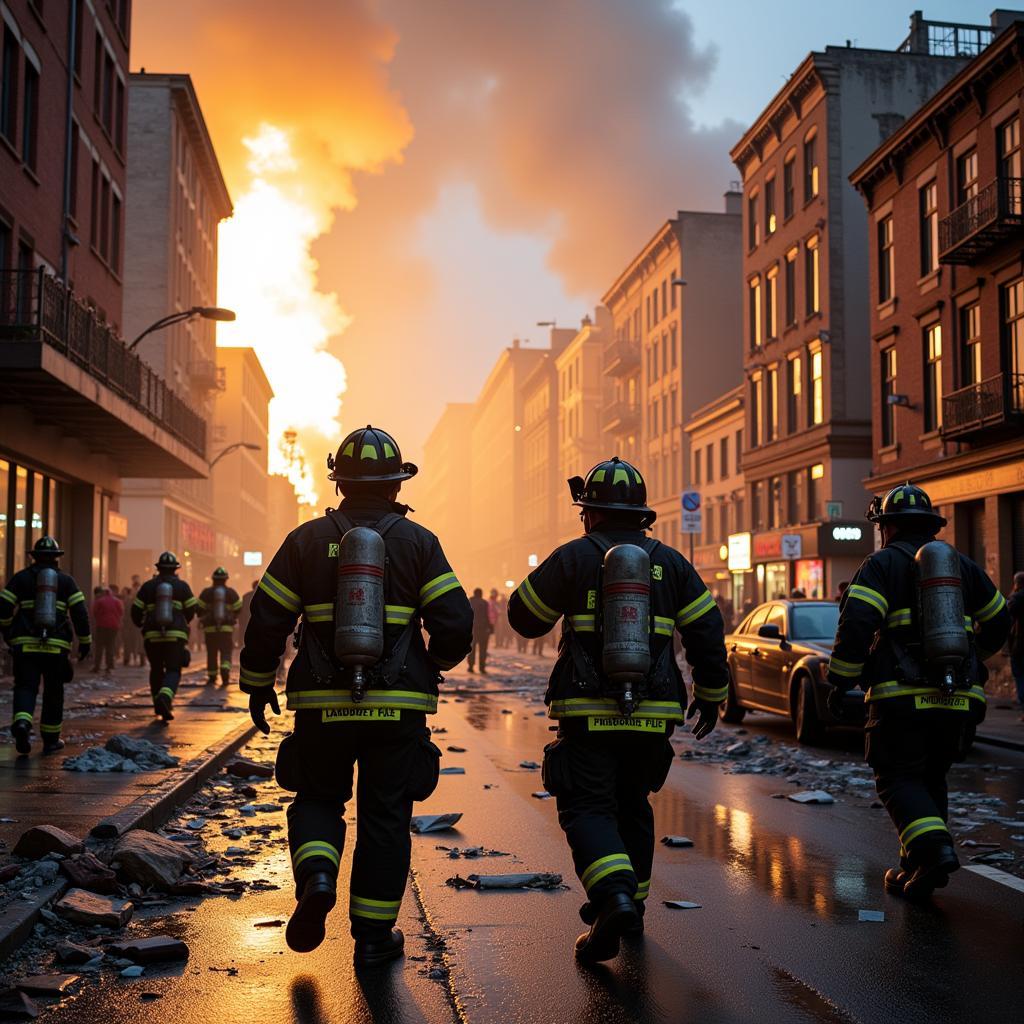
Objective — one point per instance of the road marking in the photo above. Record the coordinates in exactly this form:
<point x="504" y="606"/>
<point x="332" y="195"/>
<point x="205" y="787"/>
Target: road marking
<point x="1002" y="877"/>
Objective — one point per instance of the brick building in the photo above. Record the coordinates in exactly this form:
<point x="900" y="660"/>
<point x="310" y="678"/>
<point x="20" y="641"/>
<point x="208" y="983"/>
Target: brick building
<point x="946" y="234"/>
<point x="805" y="303"/>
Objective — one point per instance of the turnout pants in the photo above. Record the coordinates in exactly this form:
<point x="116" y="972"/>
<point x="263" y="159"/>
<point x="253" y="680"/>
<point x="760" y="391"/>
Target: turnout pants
<point x="53" y="670"/>
<point x="910" y="752"/>
<point x="219" y="648"/>
<point x="601" y="781"/>
<point x="166" y="658"/>
<point x="397" y="765"/>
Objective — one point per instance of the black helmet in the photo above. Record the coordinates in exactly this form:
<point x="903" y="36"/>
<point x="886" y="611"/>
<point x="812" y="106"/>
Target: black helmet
<point x="220" y="573"/>
<point x="615" y="486"/>
<point x="46" y="547"/>
<point x="905" y="503"/>
<point x="369" y="454"/>
<point x="168" y="560"/>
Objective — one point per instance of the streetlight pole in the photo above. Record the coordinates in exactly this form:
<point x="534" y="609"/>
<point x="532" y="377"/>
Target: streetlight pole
<point x="206" y="312"/>
<point x="230" y="448"/>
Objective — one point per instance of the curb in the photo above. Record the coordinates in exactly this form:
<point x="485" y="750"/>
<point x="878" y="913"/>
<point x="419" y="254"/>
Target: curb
<point x="149" y="812"/>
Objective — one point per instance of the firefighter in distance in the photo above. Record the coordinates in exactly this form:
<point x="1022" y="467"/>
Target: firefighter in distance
<point x="219" y="606"/>
<point x="616" y="690"/>
<point x="916" y="624"/>
<point x="361" y="582"/>
<point x="38" y="609"/>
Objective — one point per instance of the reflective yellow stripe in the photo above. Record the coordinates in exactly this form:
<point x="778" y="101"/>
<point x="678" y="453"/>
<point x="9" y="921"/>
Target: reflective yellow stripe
<point x="899" y="617"/>
<point x="85" y="639"/>
<point x="869" y="596"/>
<point x="250" y="678"/>
<point x="402" y="699"/>
<point x="643" y="890"/>
<point x="398" y="614"/>
<point x="604" y="866"/>
<point x="664" y="626"/>
<point x="319" y="612"/>
<point x="237" y="606"/>
<point x="165" y="691"/>
<point x="534" y="604"/>
<point x="155" y="636"/>
<point x="695" y="609"/>
<point x="76" y="598"/>
<point x="920" y="827"/>
<point x="316" y="849"/>
<point x="138" y="603"/>
<point x="993" y="608"/>
<point x="22" y="716"/>
<point x="883" y="691"/>
<point x="191" y="602"/>
<point x="583" y="623"/>
<point x="582" y="707"/>
<point x="8" y="595"/>
<point x="45" y="727"/>
<point x="374" y="910"/>
<point x="847" y="669"/>
<point x="6" y="622"/>
<point x="34" y="645"/>
<point x="703" y="693"/>
<point x="288" y="599"/>
<point x="438" y="586"/>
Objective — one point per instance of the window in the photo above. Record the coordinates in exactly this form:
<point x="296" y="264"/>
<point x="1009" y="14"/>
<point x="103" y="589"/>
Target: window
<point x="775" y="502"/>
<point x="771" y="302"/>
<point x="698" y="457"/>
<point x="788" y="187"/>
<point x="772" y="433"/>
<point x="107" y="100"/>
<point x="810" y="168"/>
<point x="105" y="217"/>
<point x="817" y="396"/>
<point x="814" y="493"/>
<point x="812" y="278"/>
<point x="30" y="116"/>
<point x="756" y="407"/>
<point x="753" y="224"/>
<point x="76" y="145"/>
<point x="769" y="207"/>
<point x="967" y="176"/>
<point x="1013" y="334"/>
<point x="886" y="263"/>
<point x="970" y="332"/>
<point x="888" y="411"/>
<point x="97" y="72"/>
<point x="928" y="204"/>
<point x="709" y="463"/>
<point x="796" y="495"/>
<point x="757" y="505"/>
<point x="9" y="86"/>
<point x="794" y="392"/>
<point x="738" y="447"/>
<point x="654" y="306"/>
<point x="1010" y="163"/>
<point x="119" y="116"/>
<point x="791" y="286"/>
<point x="932" y="377"/>
<point x="754" y="289"/>
<point x="723" y="459"/>
<point x="79" y="23"/>
<point x="94" y="205"/>
<point x="115" y="235"/>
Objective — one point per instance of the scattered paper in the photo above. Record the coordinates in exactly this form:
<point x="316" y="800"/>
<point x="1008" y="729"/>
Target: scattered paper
<point x="812" y="796"/>
<point x="434" y="822"/>
<point x="453" y="771"/>
<point x="541" y="794"/>
<point x="676" y="841"/>
<point x="870" y="915"/>
<point x="681" y="905"/>
<point x="526" y="880"/>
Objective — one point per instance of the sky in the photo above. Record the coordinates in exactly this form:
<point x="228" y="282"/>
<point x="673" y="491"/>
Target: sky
<point x="416" y="184"/>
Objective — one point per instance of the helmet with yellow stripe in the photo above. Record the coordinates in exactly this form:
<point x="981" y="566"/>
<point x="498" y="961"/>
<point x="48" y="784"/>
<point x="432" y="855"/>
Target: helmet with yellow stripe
<point x="369" y="455"/>
<point x="613" y="486"/>
<point x="905" y="504"/>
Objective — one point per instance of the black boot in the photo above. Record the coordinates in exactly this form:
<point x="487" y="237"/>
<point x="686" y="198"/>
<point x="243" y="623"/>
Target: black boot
<point x="53" y="745"/>
<point x="374" y="952"/>
<point x="615" y="916"/>
<point x="895" y="880"/>
<point x="306" y="927"/>
<point x="932" y="874"/>
<point x="22" y="733"/>
<point x="162" y="706"/>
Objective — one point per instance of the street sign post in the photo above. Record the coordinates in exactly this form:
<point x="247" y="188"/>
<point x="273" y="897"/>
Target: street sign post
<point x="691" y="521"/>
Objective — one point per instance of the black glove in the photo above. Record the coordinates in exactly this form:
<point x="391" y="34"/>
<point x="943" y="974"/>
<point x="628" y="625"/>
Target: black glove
<point x="257" y="708"/>
<point x="708" y="716"/>
<point x="83" y="651"/>
<point x="834" y="700"/>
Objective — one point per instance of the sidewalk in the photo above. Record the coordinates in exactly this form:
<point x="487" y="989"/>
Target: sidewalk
<point x="36" y="790"/>
<point x="1002" y="726"/>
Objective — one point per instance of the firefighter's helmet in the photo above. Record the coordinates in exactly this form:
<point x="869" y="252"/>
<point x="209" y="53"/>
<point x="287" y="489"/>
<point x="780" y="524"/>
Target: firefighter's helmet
<point x="220" y="573"/>
<point x="614" y="486"/>
<point x="369" y="455"/>
<point x="168" y="561"/>
<point x="46" y="548"/>
<point x="905" y="504"/>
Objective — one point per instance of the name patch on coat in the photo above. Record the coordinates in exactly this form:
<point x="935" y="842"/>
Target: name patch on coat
<point x="620" y="723"/>
<point x="361" y="714"/>
<point x="954" y="703"/>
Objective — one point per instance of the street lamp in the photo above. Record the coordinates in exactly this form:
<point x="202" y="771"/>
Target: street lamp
<point x="206" y="312"/>
<point x="230" y="448"/>
<point x="547" y="323"/>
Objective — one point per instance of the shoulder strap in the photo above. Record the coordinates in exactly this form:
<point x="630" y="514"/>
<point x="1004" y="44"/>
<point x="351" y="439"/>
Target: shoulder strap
<point x="341" y="522"/>
<point x="600" y="541"/>
<point x="904" y="548"/>
<point x="383" y="525"/>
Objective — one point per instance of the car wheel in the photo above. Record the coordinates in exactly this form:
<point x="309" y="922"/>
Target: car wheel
<point x="809" y="729"/>
<point x="730" y="710"/>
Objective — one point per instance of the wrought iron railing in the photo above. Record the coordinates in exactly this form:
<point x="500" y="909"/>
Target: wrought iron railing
<point x="986" y="403"/>
<point x="621" y="355"/>
<point x="1000" y="200"/>
<point x="619" y="413"/>
<point x="36" y="306"/>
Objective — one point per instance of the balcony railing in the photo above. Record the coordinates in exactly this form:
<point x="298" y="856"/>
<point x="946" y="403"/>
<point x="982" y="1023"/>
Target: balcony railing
<point x="995" y="214"/>
<point x="996" y="402"/>
<point x="621" y="357"/>
<point x="206" y="375"/>
<point x="36" y="306"/>
<point x="620" y="415"/>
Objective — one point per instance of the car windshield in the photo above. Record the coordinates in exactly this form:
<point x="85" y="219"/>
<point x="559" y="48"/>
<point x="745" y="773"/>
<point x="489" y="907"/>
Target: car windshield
<point x="814" y="621"/>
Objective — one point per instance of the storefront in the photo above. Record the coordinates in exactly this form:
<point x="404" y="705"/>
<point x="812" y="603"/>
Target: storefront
<point x="32" y="505"/>
<point x="741" y="570"/>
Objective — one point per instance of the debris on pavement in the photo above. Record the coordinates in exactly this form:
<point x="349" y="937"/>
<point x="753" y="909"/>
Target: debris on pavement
<point x="421" y="823"/>
<point x="156" y="949"/>
<point x="88" y="908"/>
<point x="122" y="754"/>
<point x="676" y="841"/>
<point x="15" y="1005"/>
<point x="812" y="796"/>
<point x="134" y="971"/>
<point x="455" y="750"/>
<point x="530" y="765"/>
<point x="525" y="880"/>
<point x="276" y="923"/>
<point x="682" y="904"/>
<point x="870" y="915"/>
<point x="150" y="859"/>
<point x="244" y="768"/>
<point x="47" y="984"/>
<point x="40" y="840"/>
<point x="541" y="794"/>
<point x="453" y="771"/>
<point x="87" y="871"/>
<point x="470" y="852"/>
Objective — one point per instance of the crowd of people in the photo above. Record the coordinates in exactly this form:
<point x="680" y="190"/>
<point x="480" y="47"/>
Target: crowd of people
<point x="491" y="628"/>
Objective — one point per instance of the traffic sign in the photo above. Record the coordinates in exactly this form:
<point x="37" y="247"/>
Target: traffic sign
<point x="834" y="509"/>
<point x="792" y="545"/>
<point x="692" y="519"/>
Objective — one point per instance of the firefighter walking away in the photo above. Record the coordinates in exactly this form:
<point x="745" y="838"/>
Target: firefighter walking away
<point x="38" y="609"/>
<point x="361" y="582"/>
<point x="162" y="609"/>
<point x="616" y="690"/>
<point x="219" y="606"/>
<point x="916" y="624"/>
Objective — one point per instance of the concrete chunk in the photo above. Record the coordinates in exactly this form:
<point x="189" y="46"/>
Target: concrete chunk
<point x="156" y="949"/>
<point x="150" y="859"/>
<point x="46" y="984"/>
<point x="87" y="871"/>
<point x="75" y="954"/>
<point x="15" y="1005"/>
<point x="88" y="908"/>
<point x="43" y="839"/>
<point x="812" y="796"/>
<point x="434" y="822"/>
<point x="243" y="768"/>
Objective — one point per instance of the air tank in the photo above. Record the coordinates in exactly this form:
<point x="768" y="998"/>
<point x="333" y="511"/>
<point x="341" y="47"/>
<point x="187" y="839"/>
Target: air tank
<point x="944" y="640"/>
<point x="163" y="604"/>
<point x="219" y="608"/>
<point x="45" y="607"/>
<point x="626" y="612"/>
<point x="359" y="605"/>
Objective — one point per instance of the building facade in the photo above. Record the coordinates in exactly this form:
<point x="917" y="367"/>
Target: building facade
<point x="176" y="199"/>
<point x="805" y="306"/>
<point x="946" y="236"/>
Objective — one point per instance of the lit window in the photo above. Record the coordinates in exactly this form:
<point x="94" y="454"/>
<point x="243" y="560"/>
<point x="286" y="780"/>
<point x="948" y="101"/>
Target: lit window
<point x="812" y="277"/>
<point x="886" y="262"/>
<point x="970" y="331"/>
<point x="928" y="203"/>
<point x="888" y="410"/>
<point x="933" y="377"/>
<point x="771" y="302"/>
<point x="810" y="168"/>
<point x="817" y="396"/>
<point x="756" y="336"/>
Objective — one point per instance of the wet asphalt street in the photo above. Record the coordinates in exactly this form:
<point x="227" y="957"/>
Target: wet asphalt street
<point x="776" y="938"/>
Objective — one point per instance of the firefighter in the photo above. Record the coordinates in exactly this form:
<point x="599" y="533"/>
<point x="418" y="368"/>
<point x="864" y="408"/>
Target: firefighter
<point x="916" y="727"/>
<point x="219" y="606"/>
<point x="611" y="754"/>
<point x="162" y="609"/>
<point x="338" y="723"/>
<point x="38" y="608"/>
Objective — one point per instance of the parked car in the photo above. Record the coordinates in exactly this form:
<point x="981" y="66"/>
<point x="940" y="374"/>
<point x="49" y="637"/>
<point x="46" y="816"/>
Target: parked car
<point x="778" y="662"/>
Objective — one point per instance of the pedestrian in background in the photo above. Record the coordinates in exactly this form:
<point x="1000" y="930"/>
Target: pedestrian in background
<point x="107" y="613"/>
<point x="482" y="629"/>
<point x="245" y="612"/>
<point x="131" y="638"/>
<point x="1015" y="604"/>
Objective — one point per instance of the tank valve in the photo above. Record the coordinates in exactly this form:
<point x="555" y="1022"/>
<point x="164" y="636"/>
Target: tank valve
<point x="358" y="684"/>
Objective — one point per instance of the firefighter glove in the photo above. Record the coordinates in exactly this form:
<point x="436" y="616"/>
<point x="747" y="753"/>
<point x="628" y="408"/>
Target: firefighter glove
<point x="708" y="710"/>
<point x="258" y="709"/>
<point x="84" y="651"/>
<point x="834" y="700"/>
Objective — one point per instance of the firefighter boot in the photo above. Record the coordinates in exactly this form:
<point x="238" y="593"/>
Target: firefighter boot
<point x="933" y="873"/>
<point x="896" y="878"/>
<point x="375" y="952"/>
<point x="616" y="916"/>
<point x="633" y="933"/>
<point x="306" y="926"/>
<point x="162" y="706"/>
<point x="22" y="733"/>
<point x="51" y="744"/>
